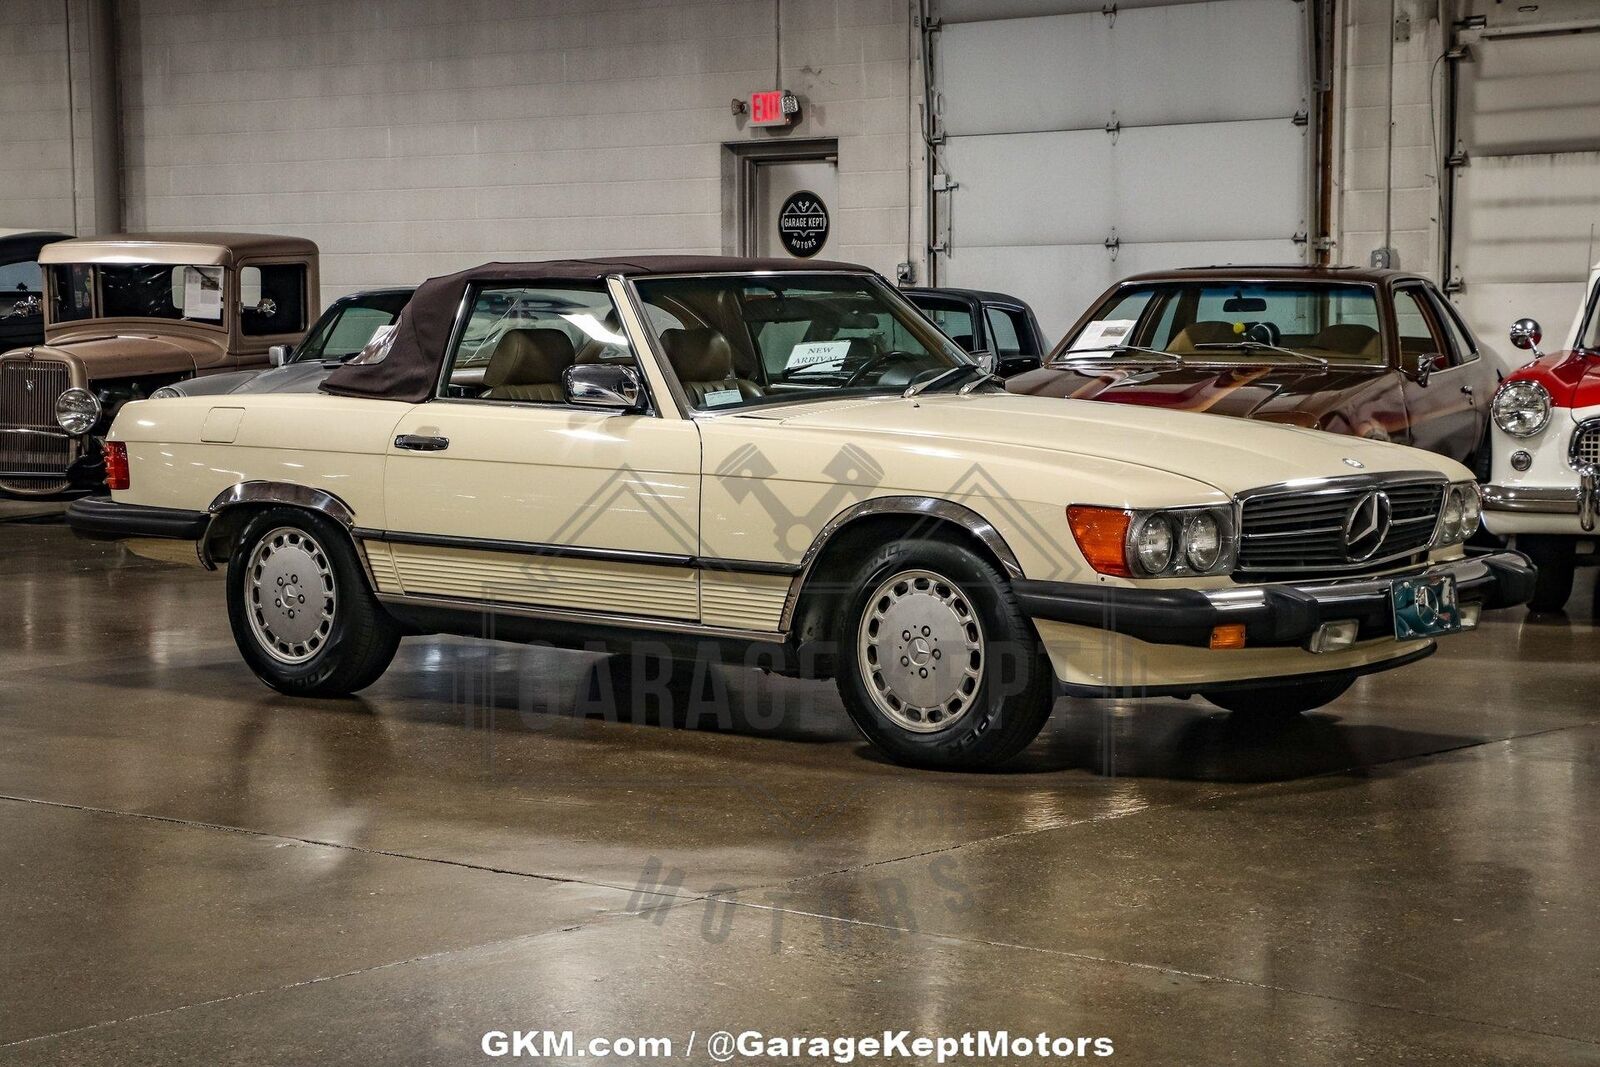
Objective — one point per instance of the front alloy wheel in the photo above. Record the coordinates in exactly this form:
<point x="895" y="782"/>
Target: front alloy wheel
<point x="921" y="648"/>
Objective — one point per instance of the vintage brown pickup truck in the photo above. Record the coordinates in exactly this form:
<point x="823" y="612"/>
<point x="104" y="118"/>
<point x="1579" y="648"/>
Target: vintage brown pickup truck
<point x="127" y="314"/>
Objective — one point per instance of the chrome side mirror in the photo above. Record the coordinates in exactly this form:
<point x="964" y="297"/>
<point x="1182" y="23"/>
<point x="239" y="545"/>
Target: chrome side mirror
<point x="1427" y="363"/>
<point x="989" y="361"/>
<point x="1525" y="334"/>
<point x="603" y="385"/>
<point x="278" y="355"/>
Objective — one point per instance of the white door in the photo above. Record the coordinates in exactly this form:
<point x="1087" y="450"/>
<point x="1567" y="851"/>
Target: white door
<point x="1092" y="141"/>
<point x="775" y="184"/>
<point x="505" y="494"/>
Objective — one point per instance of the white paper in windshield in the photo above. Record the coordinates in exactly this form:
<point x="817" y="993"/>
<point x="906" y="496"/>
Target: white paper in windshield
<point x="813" y="353"/>
<point x="202" y="292"/>
<point x="1104" y="333"/>
<point x="722" y="397"/>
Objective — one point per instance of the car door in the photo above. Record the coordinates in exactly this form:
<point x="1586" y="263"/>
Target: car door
<point x="499" y="491"/>
<point x="1440" y="404"/>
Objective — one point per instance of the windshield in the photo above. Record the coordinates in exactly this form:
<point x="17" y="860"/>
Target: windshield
<point x="739" y="341"/>
<point x="137" y="291"/>
<point x="345" y="328"/>
<point x="1257" y="322"/>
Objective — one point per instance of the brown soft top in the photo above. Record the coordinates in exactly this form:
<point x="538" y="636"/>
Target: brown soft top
<point x="410" y="371"/>
<point x="199" y="248"/>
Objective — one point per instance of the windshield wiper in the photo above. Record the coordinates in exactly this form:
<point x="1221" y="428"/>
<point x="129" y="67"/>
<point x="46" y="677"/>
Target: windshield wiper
<point x="945" y="377"/>
<point x="1261" y="346"/>
<point x="1118" y="350"/>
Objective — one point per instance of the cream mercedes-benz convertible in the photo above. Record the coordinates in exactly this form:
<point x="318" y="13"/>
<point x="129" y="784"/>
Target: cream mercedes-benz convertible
<point x="786" y="462"/>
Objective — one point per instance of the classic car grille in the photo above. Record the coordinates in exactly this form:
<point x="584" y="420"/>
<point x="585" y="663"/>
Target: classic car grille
<point x="1296" y="532"/>
<point x="1586" y="445"/>
<point x="24" y="411"/>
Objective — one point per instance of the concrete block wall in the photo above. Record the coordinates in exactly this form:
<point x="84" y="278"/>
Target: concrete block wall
<point x="1365" y="164"/>
<point x="46" y="170"/>
<point x="415" y="137"/>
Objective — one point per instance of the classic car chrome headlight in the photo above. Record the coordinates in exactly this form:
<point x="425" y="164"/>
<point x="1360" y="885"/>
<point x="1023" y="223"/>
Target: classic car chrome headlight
<point x="1521" y="408"/>
<point x="1158" y="543"/>
<point x="1459" y="515"/>
<point x="77" y="411"/>
<point x="166" y="392"/>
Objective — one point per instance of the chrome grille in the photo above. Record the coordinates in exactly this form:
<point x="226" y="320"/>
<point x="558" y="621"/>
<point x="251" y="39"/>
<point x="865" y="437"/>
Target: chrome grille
<point x="1586" y="444"/>
<point x="1300" y="531"/>
<point x="31" y="442"/>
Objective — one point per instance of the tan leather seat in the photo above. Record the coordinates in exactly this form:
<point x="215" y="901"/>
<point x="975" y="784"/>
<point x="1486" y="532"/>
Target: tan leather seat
<point x="527" y="365"/>
<point x="1204" y="332"/>
<point x="703" y="362"/>
<point x="1348" y="338"/>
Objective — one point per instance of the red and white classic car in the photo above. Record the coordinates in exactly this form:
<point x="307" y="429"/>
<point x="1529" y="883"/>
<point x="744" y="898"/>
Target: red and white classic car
<point x="1547" y="453"/>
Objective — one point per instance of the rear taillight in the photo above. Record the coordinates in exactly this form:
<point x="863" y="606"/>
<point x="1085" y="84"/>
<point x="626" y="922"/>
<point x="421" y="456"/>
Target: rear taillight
<point x="116" y="457"/>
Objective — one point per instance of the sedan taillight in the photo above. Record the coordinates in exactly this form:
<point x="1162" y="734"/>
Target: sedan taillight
<point x="116" y="457"/>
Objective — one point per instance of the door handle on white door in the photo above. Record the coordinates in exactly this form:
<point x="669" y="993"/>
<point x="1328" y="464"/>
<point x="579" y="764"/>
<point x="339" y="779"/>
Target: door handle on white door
<point x="421" y="442"/>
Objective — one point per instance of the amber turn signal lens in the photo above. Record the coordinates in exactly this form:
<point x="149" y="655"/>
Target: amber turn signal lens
<point x="1229" y="636"/>
<point x="1102" y="536"/>
<point x="115" y="454"/>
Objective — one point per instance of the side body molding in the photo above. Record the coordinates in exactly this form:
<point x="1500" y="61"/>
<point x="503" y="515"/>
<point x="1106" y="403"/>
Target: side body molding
<point x="264" y="492"/>
<point x="932" y="509"/>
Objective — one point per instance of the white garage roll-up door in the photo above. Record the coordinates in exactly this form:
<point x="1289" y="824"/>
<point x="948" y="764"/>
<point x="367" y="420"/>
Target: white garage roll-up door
<point x="1526" y="211"/>
<point x="1086" y="143"/>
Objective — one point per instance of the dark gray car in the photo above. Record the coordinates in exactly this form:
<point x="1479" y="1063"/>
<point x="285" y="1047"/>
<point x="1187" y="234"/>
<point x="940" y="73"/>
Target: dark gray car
<point x="342" y="331"/>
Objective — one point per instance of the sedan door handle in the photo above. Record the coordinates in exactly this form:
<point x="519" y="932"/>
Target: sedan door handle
<point x="1467" y="389"/>
<point x="421" y="442"/>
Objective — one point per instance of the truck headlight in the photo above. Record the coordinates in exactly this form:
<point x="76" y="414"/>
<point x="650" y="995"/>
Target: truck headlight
<point x="1156" y="543"/>
<point x="1521" y="408"/>
<point x="77" y="411"/>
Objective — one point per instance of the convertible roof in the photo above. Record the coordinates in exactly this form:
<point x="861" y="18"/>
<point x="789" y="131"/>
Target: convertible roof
<point x="410" y="371"/>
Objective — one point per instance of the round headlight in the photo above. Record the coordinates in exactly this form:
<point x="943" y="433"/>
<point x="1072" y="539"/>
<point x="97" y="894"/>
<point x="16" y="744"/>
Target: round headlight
<point x="1202" y="541"/>
<point x="1450" y="522"/>
<point x="1521" y="408"/>
<point x="1153" y="543"/>
<point x="77" y="410"/>
<point x="166" y="392"/>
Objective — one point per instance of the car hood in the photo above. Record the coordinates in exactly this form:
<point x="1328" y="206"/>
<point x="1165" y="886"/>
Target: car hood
<point x="1257" y="391"/>
<point x="1572" y="378"/>
<point x="114" y="355"/>
<point x="293" y="378"/>
<point x="1229" y="454"/>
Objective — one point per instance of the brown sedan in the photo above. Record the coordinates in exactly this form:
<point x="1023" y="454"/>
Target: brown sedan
<point x="1372" y="353"/>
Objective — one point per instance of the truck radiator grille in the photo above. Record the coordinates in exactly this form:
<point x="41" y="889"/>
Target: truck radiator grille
<point x="1295" y="532"/>
<point x="31" y="442"/>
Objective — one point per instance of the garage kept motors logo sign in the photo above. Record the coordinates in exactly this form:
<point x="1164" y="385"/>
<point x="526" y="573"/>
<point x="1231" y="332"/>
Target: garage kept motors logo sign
<point x="803" y="224"/>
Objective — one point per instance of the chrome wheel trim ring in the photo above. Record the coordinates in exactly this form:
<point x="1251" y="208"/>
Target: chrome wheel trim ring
<point x="290" y="595"/>
<point x="920" y="650"/>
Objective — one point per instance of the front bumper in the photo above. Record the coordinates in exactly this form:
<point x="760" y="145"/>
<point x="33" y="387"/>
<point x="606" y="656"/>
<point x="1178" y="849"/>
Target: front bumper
<point x="1582" y="500"/>
<point x="100" y="519"/>
<point x="1282" y="615"/>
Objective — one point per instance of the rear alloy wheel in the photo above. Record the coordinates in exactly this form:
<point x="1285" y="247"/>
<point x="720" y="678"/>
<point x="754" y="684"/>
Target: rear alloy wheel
<point x="939" y="668"/>
<point x="301" y="612"/>
<point x="1556" y="558"/>
<point x="1279" y="702"/>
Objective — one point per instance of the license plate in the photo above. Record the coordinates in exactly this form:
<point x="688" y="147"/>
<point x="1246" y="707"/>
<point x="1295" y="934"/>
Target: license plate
<point x="1425" y="607"/>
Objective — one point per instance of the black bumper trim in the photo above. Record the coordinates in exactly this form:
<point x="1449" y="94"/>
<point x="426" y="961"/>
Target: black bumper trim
<point x="1274" y="616"/>
<point x="100" y="519"/>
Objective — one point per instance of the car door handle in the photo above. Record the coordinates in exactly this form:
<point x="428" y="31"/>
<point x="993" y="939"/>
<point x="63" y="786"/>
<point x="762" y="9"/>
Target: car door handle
<point x="421" y="442"/>
<point x="1467" y="389"/>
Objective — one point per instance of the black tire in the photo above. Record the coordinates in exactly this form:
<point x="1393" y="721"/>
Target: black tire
<point x="1279" y="702"/>
<point x="1556" y="558"/>
<point x="351" y="645"/>
<point x="1002" y="697"/>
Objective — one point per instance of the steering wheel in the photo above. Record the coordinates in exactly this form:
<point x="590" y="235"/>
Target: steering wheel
<point x="1266" y="333"/>
<point x="893" y="355"/>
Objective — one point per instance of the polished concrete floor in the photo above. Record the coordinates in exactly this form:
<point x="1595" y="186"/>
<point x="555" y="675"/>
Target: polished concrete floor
<point x="196" y="869"/>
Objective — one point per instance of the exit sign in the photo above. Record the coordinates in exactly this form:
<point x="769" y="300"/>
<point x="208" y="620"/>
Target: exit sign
<point x="778" y="107"/>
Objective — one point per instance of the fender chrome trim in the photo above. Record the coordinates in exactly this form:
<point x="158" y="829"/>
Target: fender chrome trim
<point x="930" y="507"/>
<point x="290" y="493"/>
<point x="660" y="624"/>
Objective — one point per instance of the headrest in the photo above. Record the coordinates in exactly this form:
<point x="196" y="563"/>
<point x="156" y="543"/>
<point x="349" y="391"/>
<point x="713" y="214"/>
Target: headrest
<point x="529" y="357"/>
<point x="702" y="355"/>
<point x="1205" y="332"/>
<point x="1351" y="337"/>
